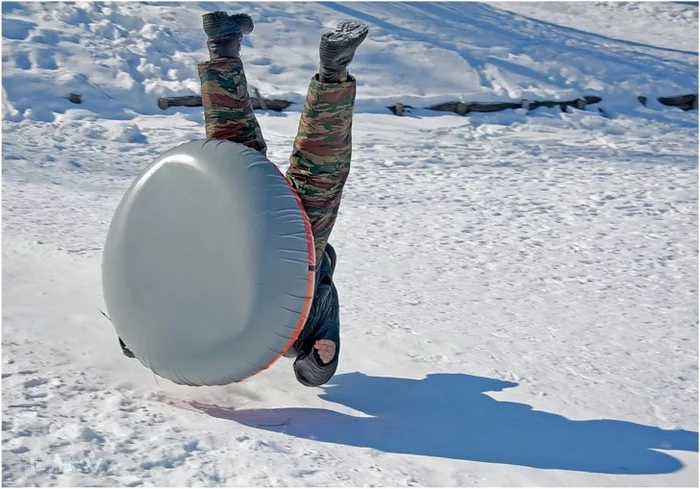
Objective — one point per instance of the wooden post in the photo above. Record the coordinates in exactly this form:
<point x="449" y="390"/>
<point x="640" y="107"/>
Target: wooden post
<point x="196" y="101"/>
<point x="186" y="101"/>
<point x="261" y="100"/>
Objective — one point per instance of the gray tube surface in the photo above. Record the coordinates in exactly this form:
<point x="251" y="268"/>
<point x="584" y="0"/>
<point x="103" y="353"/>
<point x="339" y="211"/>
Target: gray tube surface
<point x="206" y="264"/>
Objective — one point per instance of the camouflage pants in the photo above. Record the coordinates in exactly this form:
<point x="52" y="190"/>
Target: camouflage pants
<point x="320" y="159"/>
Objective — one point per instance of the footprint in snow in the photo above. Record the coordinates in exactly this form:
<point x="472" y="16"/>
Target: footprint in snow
<point x="34" y="383"/>
<point x="16" y="28"/>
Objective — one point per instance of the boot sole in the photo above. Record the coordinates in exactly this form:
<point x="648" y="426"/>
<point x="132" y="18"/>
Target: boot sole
<point x="349" y="33"/>
<point x="338" y="47"/>
<point x="244" y="21"/>
<point x="232" y="25"/>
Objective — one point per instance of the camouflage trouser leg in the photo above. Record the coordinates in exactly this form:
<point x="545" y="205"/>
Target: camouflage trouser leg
<point x="228" y="113"/>
<point x="320" y="162"/>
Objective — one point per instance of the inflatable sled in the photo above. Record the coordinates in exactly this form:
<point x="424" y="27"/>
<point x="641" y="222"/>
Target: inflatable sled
<point x="208" y="266"/>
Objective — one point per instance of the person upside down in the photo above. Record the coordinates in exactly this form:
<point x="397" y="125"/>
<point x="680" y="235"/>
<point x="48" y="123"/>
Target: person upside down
<point x="319" y="163"/>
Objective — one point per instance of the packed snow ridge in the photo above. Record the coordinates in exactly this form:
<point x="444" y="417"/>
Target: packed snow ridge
<point x="122" y="57"/>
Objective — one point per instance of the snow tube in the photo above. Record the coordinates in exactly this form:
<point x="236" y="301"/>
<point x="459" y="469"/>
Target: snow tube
<point x="207" y="269"/>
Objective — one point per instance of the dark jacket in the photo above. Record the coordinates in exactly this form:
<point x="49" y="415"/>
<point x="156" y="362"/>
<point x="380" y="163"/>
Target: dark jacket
<point x="323" y="324"/>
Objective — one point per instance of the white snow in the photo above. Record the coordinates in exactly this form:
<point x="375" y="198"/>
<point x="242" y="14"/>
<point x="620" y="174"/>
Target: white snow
<point x="518" y="290"/>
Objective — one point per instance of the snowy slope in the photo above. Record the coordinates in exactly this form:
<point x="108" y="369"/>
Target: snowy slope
<point x="519" y="290"/>
<point x="669" y="26"/>
<point x="419" y="53"/>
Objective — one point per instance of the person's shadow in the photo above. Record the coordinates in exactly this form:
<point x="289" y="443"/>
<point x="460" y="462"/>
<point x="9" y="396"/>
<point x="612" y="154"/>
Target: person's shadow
<point x="448" y="415"/>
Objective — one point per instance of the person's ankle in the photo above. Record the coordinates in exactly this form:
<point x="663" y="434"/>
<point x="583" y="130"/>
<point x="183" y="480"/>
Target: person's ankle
<point x="333" y="78"/>
<point x="224" y="47"/>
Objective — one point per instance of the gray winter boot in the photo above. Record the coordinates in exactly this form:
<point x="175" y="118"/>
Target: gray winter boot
<point x="225" y="33"/>
<point x="337" y="50"/>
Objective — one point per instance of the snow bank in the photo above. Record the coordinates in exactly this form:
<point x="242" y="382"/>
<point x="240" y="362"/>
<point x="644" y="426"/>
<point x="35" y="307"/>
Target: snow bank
<point x="122" y="56"/>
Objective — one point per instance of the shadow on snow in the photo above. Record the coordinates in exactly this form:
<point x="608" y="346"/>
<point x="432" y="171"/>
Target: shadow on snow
<point x="450" y="416"/>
